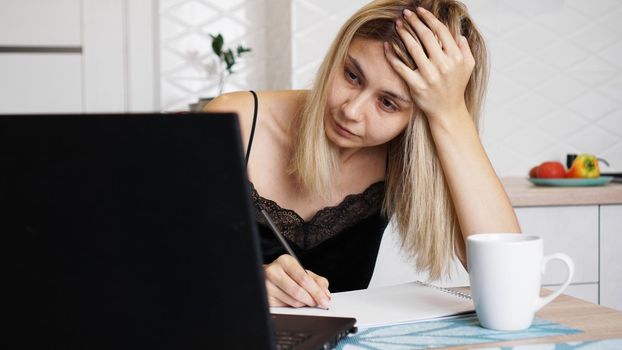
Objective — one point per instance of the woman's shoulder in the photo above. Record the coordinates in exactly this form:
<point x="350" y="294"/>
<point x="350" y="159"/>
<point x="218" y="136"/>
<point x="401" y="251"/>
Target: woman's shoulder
<point x="284" y="96"/>
<point x="269" y="102"/>
<point x="281" y="106"/>
<point x="243" y="100"/>
<point x="274" y="107"/>
<point x="238" y="102"/>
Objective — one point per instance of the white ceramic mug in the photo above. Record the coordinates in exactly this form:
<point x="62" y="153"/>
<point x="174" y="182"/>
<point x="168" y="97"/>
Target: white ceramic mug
<point x="505" y="271"/>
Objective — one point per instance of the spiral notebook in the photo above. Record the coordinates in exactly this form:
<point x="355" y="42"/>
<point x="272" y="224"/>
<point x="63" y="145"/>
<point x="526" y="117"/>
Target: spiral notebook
<point x="402" y="303"/>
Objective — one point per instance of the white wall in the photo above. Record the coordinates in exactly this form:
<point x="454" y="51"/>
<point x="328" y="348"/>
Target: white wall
<point x="185" y="47"/>
<point x="556" y="71"/>
<point x="555" y="82"/>
<point x="315" y="24"/>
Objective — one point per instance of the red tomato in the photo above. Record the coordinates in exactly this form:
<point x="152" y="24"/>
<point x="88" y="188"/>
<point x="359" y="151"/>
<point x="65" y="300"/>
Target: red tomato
<point x="551" y="170"/>
<point x="532" y="172"/>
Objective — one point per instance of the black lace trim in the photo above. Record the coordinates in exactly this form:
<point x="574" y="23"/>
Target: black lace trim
<point x="327" y="222"/>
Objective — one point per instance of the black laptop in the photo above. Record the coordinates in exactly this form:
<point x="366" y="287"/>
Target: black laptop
<point x="134" y="232"/>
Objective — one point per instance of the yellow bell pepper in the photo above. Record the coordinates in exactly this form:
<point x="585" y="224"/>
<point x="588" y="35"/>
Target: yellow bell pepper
<point x="584" y="166"/>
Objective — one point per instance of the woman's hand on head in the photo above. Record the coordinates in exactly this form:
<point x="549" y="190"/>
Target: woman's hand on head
<point x="288" y="284"/>
<point x="444" y="65"/>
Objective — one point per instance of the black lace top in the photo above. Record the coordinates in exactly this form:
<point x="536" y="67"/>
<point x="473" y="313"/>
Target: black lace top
<point x="340" y="243"/>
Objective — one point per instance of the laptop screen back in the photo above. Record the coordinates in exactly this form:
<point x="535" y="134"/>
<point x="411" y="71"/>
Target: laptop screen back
<point x="128" y="232"/>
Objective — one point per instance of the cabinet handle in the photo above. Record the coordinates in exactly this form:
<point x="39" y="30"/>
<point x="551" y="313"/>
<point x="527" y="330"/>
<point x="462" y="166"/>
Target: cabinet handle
<point x="41" y="49"/>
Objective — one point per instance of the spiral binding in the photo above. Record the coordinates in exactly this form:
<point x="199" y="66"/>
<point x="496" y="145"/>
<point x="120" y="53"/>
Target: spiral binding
<point x="446" y="290"/>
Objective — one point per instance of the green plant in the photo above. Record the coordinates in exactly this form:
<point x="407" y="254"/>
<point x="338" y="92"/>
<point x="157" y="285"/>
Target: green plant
<point x="227" y="58"/>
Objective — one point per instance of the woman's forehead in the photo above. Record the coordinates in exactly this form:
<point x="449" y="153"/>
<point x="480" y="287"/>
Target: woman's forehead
<point x="368" y="56"/>
<point x="369" y="53"/>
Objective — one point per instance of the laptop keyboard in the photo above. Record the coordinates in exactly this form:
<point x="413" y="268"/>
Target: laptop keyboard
<point x="288" y="340"/>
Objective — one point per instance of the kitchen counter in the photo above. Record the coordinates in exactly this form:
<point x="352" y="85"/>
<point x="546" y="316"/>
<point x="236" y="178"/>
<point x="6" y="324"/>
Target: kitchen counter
<point x="582" y="222"/>
<point x="523" y="193"/>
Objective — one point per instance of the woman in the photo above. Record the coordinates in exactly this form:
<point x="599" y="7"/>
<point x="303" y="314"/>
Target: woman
<point x="389" y="130"/>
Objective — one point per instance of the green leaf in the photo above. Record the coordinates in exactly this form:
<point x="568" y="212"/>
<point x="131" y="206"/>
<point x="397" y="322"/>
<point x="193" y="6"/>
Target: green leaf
<point x="241" y="49"/>
<point x="217" y="43"/>
<point x="229" y="59"/>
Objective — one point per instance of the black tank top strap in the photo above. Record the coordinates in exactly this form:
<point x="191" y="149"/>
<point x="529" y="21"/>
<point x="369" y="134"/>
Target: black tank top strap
<point x="250" y="139"/>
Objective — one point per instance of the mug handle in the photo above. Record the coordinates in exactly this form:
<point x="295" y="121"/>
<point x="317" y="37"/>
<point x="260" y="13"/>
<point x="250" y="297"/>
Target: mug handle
<point x="569" y="264"/>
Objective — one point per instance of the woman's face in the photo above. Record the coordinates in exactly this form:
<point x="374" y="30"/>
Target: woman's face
<point x="368" y="103"/>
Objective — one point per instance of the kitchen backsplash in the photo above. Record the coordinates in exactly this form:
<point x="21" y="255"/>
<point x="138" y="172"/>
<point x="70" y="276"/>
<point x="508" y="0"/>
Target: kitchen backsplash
<point x="556" y="66"/>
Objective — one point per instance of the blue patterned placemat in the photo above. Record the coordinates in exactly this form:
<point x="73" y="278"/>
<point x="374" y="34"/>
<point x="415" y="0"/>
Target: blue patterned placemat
<point x="602" y="344"/>
<point x="456" y="331"/>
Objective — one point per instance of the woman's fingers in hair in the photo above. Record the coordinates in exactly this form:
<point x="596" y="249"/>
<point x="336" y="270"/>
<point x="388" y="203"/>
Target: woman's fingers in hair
<point x="444" y="64"/>
<point x="467" y="54"/>
<point x="427" y="37"/>
<point x="413" y="78"/>
<point x="414" y="48"/>
<point x="439" y="29"/>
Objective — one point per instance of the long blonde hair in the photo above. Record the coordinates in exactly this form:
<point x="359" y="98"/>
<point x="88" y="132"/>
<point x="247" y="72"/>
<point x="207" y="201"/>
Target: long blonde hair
<point x="416" y="193"/>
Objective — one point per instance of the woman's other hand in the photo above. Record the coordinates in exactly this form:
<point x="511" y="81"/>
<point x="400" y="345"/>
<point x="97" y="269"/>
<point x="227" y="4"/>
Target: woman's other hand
<point x="444" y="65"/>
<point x="288" y="284"/>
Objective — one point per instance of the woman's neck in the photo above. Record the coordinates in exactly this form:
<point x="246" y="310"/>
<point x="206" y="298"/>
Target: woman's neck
<point x="362" y="158"/>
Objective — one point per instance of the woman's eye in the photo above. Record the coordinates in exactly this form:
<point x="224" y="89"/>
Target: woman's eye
<point x="351" y="76"/>
<point x="387" y="104"/>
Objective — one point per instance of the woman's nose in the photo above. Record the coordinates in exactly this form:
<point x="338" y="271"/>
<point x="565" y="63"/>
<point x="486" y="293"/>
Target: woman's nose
<point x="354" y="107"/>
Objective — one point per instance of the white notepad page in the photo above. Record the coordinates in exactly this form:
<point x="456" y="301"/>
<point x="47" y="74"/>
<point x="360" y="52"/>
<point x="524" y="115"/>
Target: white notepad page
<point x="408" y="302"/>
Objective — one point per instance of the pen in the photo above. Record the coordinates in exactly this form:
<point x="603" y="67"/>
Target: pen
<point x="278" y="235"/>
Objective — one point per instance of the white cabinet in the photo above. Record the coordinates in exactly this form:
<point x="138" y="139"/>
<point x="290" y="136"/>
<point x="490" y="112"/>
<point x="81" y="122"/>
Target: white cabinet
<point x="40" y="83"/>
<point x="572" y="230"/>
<point x="105" y="83"/>
<point x="40" y="23"/>
<point x="587" y="292"/>
<point x="611" y="256"/>
<point x="78" y="56"/>
<point x="393" y="266"/>
<point x="40" y="56"/>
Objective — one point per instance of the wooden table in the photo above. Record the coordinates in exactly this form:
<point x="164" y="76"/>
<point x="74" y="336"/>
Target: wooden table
<point x="523" y="193"/>
<point x="596" y="322"/>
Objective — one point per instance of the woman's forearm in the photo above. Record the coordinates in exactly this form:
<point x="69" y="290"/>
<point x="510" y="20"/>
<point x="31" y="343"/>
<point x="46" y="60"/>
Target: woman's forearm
<point x="480" y="200"/>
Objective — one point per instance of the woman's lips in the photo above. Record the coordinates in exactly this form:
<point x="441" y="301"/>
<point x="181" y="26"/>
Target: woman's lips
<point x="343" y="131"/>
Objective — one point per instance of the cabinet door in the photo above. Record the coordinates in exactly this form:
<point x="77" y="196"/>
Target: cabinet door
<point x="611" y="256"/>
<point x="587" y="292"/>
<point x="572" y="230"/>
<point x="40" y="23"/>
<point x="40" y="83"/>
<point x="105" y="65"/>
<point x="393" y="266"/>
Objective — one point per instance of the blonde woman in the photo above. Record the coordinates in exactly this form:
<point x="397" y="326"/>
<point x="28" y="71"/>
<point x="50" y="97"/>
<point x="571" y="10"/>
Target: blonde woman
<point x="388" y="131"/>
